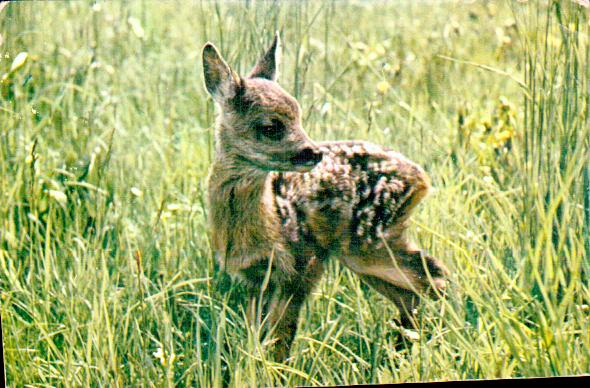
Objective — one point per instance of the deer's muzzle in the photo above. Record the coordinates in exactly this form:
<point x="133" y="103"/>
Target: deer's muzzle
<point x="308" y="157"/>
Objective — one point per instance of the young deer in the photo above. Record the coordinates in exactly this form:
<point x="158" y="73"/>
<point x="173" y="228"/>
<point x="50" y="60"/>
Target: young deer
<point x="281" y="205"/>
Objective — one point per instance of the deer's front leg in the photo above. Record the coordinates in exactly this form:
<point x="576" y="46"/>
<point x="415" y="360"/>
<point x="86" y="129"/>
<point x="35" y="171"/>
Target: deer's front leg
<point x="260" y="286"/>
<point x="286" y="304"/>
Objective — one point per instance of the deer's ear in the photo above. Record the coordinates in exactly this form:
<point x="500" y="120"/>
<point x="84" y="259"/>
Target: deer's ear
<point x="268" y="66"/>
<point x="220" y="80"/>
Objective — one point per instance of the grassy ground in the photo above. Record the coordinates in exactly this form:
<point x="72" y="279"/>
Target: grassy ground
<point x="105" y="141"/>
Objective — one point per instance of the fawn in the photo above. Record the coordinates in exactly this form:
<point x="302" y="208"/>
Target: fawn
<point x="281" y="204"/>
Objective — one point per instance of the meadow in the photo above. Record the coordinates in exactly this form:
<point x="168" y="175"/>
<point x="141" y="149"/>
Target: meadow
<point x="106" y="137"/>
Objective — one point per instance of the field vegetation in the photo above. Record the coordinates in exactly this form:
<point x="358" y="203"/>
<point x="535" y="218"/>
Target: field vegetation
<point x="106" y="137"/>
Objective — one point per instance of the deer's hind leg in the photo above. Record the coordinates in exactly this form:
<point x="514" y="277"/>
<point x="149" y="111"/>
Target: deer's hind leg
<point x="406" y="301"/>
<point x="402" y="273"/>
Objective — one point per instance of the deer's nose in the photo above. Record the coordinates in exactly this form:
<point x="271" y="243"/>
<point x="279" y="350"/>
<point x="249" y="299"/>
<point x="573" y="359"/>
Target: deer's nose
<point x="307" y="157"/>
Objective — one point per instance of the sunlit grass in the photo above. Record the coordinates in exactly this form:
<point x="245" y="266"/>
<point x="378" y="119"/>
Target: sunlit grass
<point x="106" y="272"/>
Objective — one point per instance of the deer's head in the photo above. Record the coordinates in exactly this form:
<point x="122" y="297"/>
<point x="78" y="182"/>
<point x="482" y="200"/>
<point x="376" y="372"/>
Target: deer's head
<point x="259" y="122"/>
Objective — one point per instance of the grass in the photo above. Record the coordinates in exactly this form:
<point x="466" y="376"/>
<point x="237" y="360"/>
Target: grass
<point x="106" y="273"/>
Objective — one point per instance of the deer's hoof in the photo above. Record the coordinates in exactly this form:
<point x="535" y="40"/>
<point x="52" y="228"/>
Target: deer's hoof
<point x="439" y="287"/>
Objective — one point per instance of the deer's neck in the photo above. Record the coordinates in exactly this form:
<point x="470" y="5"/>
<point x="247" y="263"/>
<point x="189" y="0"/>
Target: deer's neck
<point x="242" y="212"/>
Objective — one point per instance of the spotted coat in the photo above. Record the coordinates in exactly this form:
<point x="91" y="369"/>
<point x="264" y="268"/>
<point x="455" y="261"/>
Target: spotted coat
<point x="358" y="195"/>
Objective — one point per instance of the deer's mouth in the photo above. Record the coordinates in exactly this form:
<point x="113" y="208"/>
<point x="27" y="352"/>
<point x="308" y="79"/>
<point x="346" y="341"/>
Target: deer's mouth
<point x="306" y="158"/>
<point x="301" y="161"/>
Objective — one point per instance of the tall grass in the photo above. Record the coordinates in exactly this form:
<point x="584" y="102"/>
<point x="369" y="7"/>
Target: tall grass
<point x="106" y="272"/>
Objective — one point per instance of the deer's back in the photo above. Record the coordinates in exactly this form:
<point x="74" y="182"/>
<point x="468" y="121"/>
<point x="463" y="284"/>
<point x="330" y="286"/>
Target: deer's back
<point x="359" y="194"/>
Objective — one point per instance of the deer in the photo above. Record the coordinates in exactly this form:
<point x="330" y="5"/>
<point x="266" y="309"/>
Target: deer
<point x="281" y="205"/>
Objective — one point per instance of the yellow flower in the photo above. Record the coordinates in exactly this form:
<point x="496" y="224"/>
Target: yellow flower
<point x="383" y="87"/>
<point x="504" y="136"/>
<point x="380" y="50"/>
<point x="499" y="139"/>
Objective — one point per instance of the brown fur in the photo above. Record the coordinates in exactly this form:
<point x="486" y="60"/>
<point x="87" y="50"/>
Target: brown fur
<point x="279" y="201"/>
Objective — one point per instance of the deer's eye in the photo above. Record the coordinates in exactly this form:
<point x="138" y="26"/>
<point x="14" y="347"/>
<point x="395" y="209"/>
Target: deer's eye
<point x="274" y="131"/>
